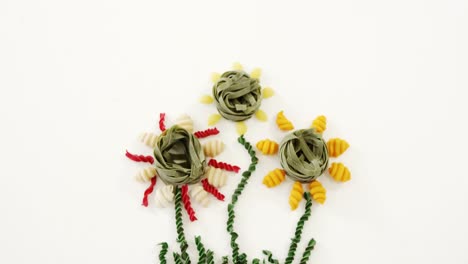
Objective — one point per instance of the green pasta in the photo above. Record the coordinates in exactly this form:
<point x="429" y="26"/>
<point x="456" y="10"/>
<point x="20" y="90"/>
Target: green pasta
<point x="306" y="254"/>
<point x="163" y="252"/>
<point x="201" y="250"/>
<point x="237" y="95"/>
<point x="269" y="256"/>
<point x="304" y="155"/>
<point x="209" y="257"/>
<point x="180" y="227"/>
<point x="225" y="260"/>
<point x="179" y="157"/>
<point x="300" y="226"/>
<point x="256" y="261"/>
<point x="177" y="258"/>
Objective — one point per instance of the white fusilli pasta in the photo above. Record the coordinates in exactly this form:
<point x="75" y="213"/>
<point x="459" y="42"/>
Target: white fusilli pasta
<point x="216" y="177"/>
<point x="149" y="139"/>
<point x="164" y="196"/>
<point x="213" y="148"/>
<point x="146" y="174"/>
<point x="186" y="122"/>
<point x="200" y="195"/>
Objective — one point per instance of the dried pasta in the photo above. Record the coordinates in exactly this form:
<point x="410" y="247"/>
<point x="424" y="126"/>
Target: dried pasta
<point x="149" y="139"/>
<point x="318" y="192"/>
<point x="216" y="177"/>
<point x="261" y="115"/>
<point x="199" y="195"/>
<point x="237" y="66"/>
<point x="206" y="99"/>
<point x="339" y="172"/>
<point x="256" y="73"/>
<point x="296" y="195"/>
<point x="164" y="196"/>
<point x="241" y="127"/>
<point x="337" y="146"/>
<point x="213" y="148"/>
<point x="274" y="178"/>
<point x="267" y="147"/>
<point x="283" y="123"/>
<point x="215" y="77"/>
<point x="146" y="174"/>
<point x="186" y="122"/>
<point x="267" y="92"/>
<point x="319" y="123"/>
<point x="214" y="119"/>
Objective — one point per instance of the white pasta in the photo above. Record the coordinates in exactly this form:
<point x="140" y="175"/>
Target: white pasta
<point x="149" y="139"/>
<point x="185" y="122"/>
<point x="216" y="177"/>
<point x="146" y="174"/>
<point x="164" y="196"/>
<point x="200" y="195"/>
<point x="213" y="148"/>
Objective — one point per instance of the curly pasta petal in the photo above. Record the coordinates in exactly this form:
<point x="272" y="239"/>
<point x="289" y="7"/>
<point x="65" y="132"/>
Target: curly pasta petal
<point x="339" y="172"/>
<point x="185" y="122"/>
<point x="337" y="146"/>
<point x="318" y="192"/>
<point x="296" y="195"/>
<point x="319" y="123"/>
<point x="267" y="146"/>
<point x="267" y="92"/>
<point x="283" y="123"/>
<point x="149" y="139"/>
<point x="199" y="195"/>
<point x="213" y="119"/>
<point x="146" y="174"/>
<point x="164" y="196"/>
<point x="216" y="177"/>
<point x="274" y="178"/>
<point x="213" y="148"/>
<point x="261" y="115"/>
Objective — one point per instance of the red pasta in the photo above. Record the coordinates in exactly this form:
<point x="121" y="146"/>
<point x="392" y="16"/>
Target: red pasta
<point x="213" y="190"/>
<point x="162" y="117"/>
<point x="206" y="133"/>
<point x="187" y="204"/>
<point x="148" y="192"/>
<point x="223" y="165"/>
<point x="139" y="158"/>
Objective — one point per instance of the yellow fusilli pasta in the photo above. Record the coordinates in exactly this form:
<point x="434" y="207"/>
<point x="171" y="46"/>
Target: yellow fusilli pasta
<point x="164" y="196"/>
<point x="186" y="122"/>
<point x="213" y="148"/>
<point x="339" y="172"/>
<point x="146" y="174"/>
<point x="296" y="195"/>
<point x="213" y="119"/>
<point x="256" y="73"/>
<point x="200" y="195"/>
<point x="149" y="139"/>
<point x="261" y="115"/>
<point x="318" y="192"/>
<point x="319" y="123"/>
<point x="336" y="146"/>
<point x="267" y="147"/>
<point x="216" y="177"/>
<point x="274" y="178"/>
<point x="267" y="92"/>
<point x="283" y="123"/>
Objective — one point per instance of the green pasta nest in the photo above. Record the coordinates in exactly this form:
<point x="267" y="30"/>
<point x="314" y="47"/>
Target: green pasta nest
<point x="304" y="155"/>
<point x="179" y="157"/>
<point x="237" y="95"/>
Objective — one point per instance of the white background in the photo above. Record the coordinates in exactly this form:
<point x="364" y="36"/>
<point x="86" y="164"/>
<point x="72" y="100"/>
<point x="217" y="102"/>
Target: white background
<point x="80" y="80"/>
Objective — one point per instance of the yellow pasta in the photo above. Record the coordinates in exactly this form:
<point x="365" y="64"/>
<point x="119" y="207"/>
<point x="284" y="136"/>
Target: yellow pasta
<point x="186" y="122"/>
<point x="296" y="195"/>
<point x="337" y="146"/>
<point x="319" y="123"/>
<point x="237" y="66"/>
<point x="339" y="172"/>
<point x="206" y="99"/>
<point x="146" y="174"/>
<point x="164" y="196"/>
<point x="241" y="127"/>
<point x="267" y="147"/>
<point x="213" y="119"/>
<point x="283" y="123"/>
<point x="256" y="73"/>
<point x="318" y="192"/>
<point x="267" y="92"/>
<point x="200" y="195"/>
<point x="149" y="139"/>
<point x="213" y="148"/>
<point x="261" y="115"/>
<point x="215" y="77"/>
<point x="274" y="178"/>
<point x="216" y="177"/>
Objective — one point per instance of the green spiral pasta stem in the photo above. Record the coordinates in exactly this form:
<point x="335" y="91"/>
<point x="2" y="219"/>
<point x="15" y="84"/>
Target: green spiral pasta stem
<point x="163" y="252"/>
<point x="236" y="257"/>
<point x="256" y="261"/>
<point x="180" y="226"/>
<point x="177" y="258"/>
<point x="308" y="249"/>
<point x="225" y="260"/>
<point x="269" y="256"/>
<point x="201" y="250"/>
<point x="209" y="257"/>
<point x="300" y="226"/>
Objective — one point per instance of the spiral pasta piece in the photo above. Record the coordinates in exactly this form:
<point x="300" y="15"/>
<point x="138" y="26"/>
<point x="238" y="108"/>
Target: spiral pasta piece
<point x="199" y="195"/>
<point x="186" y="122"/>
<point x="206" y="99"/>
<point x="261" y="115"/>
<point x="216" y="177"/>
<point x="339" y="172"/>
<point x="319" y="123"/>
<point x="267" y="147"/>
<point x="149" y="139"/>
<point x="337" y="146"/>
<point x="318" y="192"/>
<point x="164" y="196"/>
<point x="274" y="178"/>
<point x="283" y="123"/>
<point x="213" y="148"/>
<point x="296" y="195"/>
<point x="146" y="174"/>
<point x="213" y="119"/>
<point x="267" y="92"/>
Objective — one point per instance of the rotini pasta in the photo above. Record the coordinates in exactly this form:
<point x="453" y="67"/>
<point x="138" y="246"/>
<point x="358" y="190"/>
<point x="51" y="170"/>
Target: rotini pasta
<point x="319" y="123"/>
<point x="339" y="172"/>
<point x="241" y="128"/>
<point x="164" y="196"/>
<point x="149" y="139"/>
<point x="267" y="92"/>
<point x="283" y="123"/>
<point x="146" y="174"/>
<point x="216" y="177"/>
<point x="214" y="119"/>
<point x="267" y="147"/>
<point x="199" y="195"/>
<point x="296" y="195"/>
<point x="206" y="99"/>
<point x="274" y="178"/>
<point x="337" y="146"/>
<point x="213" y="148"/>
<point x="186" y="122"/>
<point x="318" y="192"/>
<point x="261" y="115"/>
